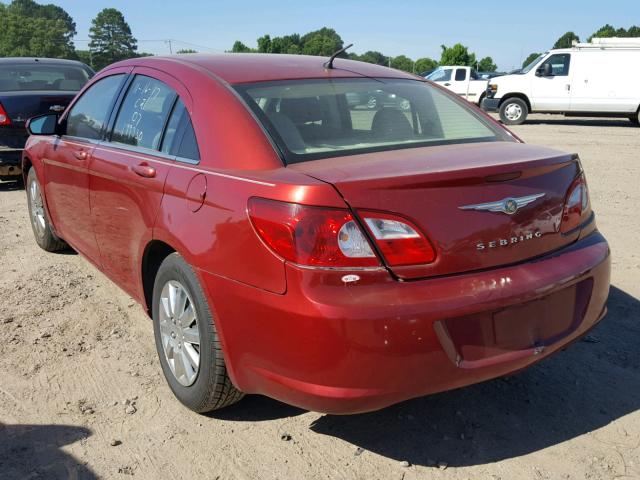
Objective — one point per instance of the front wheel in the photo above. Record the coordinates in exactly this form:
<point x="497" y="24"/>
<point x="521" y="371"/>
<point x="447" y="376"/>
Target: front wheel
<point x="40" y="223"/>
<point x="187" y="340"/>
<point x="513" y="111"/>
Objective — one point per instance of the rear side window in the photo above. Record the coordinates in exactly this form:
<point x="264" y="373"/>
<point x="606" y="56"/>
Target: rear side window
<point x="461" y="75"/>
<point x="179" y="138"/>
<point x="143" y="113"/>
<point x="88" y="116"/>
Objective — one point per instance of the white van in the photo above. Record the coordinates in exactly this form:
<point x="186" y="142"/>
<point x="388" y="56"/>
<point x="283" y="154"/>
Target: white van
<point x="601" y="78"/>
<point x="464" y="81"/>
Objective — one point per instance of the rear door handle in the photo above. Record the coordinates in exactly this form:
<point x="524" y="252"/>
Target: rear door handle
<point x="144" y="170"/>
<point x="80" y="155"/>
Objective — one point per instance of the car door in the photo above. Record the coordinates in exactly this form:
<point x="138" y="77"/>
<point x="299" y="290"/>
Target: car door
<point x="460" y="82"/>
<point x="128" y="172"/>
<point x="442" y="76"/>
<point x="67" y="159"/>
<point x="552" y="92"/>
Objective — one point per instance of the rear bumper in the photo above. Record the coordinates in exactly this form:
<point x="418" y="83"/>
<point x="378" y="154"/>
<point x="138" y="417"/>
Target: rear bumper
<point x="490" y="104"/>
<point x="346" y="348"/>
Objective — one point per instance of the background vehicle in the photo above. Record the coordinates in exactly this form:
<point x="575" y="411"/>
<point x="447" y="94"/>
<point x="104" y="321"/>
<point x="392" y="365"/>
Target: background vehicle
<point x="28" y="87"/>
<point x="375" y="99"/>
<point x="464" y="81"/>
<point x="285" y="244"/>
<point x="590" y="79"/>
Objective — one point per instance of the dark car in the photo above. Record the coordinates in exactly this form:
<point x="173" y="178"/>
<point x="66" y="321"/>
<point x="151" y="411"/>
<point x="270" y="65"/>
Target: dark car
<point x="28" y="87"/>
<point x="284" y="246"/>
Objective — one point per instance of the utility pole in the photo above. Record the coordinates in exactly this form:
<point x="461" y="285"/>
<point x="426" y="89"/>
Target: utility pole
<point x="168" y="42"/>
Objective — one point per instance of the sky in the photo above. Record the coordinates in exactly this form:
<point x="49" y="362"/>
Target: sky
<point x="508" y="31"/>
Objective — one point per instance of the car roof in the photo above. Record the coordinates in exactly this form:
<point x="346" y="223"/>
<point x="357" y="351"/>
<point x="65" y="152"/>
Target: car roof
<point x="237" y="68"/>
<point x="47" y="61"/>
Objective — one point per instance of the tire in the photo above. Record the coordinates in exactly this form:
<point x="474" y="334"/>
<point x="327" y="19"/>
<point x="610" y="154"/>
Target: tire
<point x="513" y="111"/>
<point x="209" y="387"/>
<point x="39" y="218"/>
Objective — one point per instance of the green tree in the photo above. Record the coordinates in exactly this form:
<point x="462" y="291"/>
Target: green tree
<point x="186" y="50"/>
<point x="566" y="40"/>
<point x="264" y="44"/>
<point x="324" y="42"/>
<point x="111" y="38"/>
<point x="402" y="62"/>
<point x="371" y="56"/>
<point x="30" y="29"/>
<point x="287" y="44"/>
<point x="529" y="59"/>
<point x="239" y="47"/>
<point x="487" y="65"/>
<point x="425" y="64"/>
<point x="457" y="55"/>
<point x="633" y="31"/>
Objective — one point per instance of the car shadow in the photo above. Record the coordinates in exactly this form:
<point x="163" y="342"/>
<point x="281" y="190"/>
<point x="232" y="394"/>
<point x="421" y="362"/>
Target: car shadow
<point x="9" y="186"/>
<point x="587" y="386"/>
<point x="256" y="408"/>
<point x="34" y="451"/>
<point x="583" y="122"/>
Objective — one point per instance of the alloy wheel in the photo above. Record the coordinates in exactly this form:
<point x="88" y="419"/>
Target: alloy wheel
<point x="37" y="208"/>
<point x="179" y="332"/>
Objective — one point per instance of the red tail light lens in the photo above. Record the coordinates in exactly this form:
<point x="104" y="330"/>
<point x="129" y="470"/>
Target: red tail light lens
<point x="4" y="118"/>
<point x="400" y="242"/>
<point x="576" y="204"/>
<point x="315" y="236"/>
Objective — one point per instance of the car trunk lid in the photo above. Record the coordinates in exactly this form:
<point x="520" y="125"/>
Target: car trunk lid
<point x="442" y="190"/>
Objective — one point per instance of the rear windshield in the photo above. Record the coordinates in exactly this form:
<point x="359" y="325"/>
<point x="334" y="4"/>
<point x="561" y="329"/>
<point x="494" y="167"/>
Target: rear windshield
<point x="312" y="119"/>
<point x="29" y="77"/>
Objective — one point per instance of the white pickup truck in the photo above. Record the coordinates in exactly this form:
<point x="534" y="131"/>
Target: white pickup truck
<point x="464" y="81"/>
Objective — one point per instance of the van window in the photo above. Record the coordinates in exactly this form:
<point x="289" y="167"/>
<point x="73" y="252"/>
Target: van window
<point x="461" y="75"/>
<point x="143" y="113"/>
<point x="89" y="114"/>
<point x="559" y="64"/>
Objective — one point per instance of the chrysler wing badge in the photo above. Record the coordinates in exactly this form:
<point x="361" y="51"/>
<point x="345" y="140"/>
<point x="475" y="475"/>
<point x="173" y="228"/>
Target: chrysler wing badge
<point x="509" y="205"/>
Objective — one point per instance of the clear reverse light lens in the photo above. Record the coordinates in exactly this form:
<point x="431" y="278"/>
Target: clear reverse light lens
<point x="352" y="242"/>
<point x="385" y="229"/>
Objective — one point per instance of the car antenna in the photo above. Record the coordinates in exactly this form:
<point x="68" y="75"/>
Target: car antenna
<point x="329" y="64"/>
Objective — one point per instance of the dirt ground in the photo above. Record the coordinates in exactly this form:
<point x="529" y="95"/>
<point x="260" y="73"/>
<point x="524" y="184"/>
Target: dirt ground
<point x="82" y="394"/>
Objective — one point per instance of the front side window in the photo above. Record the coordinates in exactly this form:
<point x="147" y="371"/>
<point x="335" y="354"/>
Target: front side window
<point x="559" y="64"/>
<point x="22" y="77"/>
<point x="312" y="119"/>
<point x="461" y="75"/>
<point x="143" y="113"/>
<point x="440" y="75"/>
<point x="89" y="114"/>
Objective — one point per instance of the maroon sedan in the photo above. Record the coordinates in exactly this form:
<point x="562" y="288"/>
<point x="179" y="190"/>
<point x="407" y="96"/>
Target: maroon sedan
<point x="289" y="243"/>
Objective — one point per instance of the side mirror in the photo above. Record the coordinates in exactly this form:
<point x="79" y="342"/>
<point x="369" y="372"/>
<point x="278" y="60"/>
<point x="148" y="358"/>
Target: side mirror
<point x="46" y="124"/>
<point x="545" y="71"/>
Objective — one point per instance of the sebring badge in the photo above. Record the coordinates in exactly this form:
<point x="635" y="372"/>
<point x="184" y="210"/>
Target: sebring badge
<point x="506" y="205"/>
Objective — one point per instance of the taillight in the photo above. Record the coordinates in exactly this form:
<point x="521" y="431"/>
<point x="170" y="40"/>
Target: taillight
<point x="576" y="204"/>
<point x="315" y="236"/>
<point x="399" y="241"/>
<point x="4" y="118"/>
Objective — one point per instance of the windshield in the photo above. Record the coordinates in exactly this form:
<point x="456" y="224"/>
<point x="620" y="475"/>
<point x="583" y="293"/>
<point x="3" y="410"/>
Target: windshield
<point x="29" y="77"/>
<point x="311" y="119"/>
<point x="532" y="64"/>
<point x="440" y="75"/>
